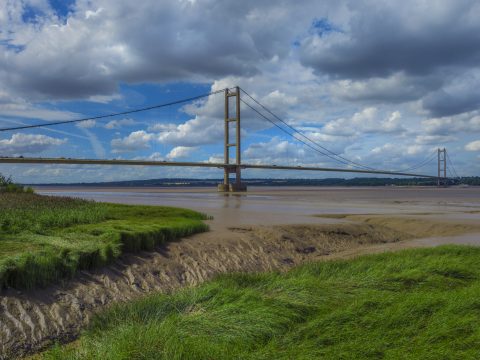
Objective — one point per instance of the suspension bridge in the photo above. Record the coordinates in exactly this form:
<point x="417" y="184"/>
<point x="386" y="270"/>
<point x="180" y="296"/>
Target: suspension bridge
<point x="232" y="141"/>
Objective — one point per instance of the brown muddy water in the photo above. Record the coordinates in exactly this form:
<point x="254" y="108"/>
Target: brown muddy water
<point x="267" y="228"/>
<point x="294" y="205"/>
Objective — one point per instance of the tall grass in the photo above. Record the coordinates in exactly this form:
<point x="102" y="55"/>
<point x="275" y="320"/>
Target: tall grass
<point x="38" y="214"/>
<point x="44" y="239"/>
<point x="416" y="304"/>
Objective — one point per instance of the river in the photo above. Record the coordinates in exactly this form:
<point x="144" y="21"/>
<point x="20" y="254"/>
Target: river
<point x="293" y="205"/>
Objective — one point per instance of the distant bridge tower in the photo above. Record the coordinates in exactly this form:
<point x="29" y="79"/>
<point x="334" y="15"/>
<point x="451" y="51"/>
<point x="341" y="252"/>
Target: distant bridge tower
<point x="234" y="167"/>
<point x="442" y="167"/>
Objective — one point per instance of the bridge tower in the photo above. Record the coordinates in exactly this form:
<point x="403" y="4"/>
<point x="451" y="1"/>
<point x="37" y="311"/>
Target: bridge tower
<point x="235" y="166"/>
<point x="442" y="167"/>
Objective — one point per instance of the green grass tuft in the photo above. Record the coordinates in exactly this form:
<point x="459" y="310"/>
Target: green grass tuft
<point x="44" y="239"/>
<point x="415" y="304"/>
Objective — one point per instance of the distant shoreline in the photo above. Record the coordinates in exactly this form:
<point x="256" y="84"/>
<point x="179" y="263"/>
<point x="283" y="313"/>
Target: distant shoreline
<point x="329" y="182"/>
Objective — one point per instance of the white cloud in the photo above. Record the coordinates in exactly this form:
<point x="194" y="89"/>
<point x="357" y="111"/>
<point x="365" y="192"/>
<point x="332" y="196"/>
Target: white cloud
<point x="20" y="144"/>
<point x="156" y="156"/>
<point x="104" y="99"/>
<point x="16" y="106"/>
<point x="104" y="42"/>
<point x="366" y="121"/>
<point x="400" y="156"/>
<point x="205" y="126"/>
<point x="162" y="127"/>
<point x="181" y="152"/>
<point x="278" y="151"/>
<point x="137" y="140"/>
<point x="473" y="146"/>
<point x="467" y="122"/>
<point x="321" y="72"/>
<point x="87" y="124"/>
<point x="434" y="139"/>
<point x="379" y="150"/>
<point x="396" y="88"/>
<point x="415" y="149"/>
<point x="117" y="124"/>
<point x="277" y="99"/>
<point x="216" y="158"/>
<point x="194" y="132"/>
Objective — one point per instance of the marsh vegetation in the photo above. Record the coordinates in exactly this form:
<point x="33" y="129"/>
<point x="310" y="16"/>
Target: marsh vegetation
<point x="44" y="238"/>
<point x="415" y="304"/>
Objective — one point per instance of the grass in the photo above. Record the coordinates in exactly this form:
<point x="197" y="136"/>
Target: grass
<point x="44" y="239"/>
<point x="415" y="304"/>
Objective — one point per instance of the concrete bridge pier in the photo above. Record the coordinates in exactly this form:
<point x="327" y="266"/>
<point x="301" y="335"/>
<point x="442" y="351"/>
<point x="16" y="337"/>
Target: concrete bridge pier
<point x="227" y="185"/>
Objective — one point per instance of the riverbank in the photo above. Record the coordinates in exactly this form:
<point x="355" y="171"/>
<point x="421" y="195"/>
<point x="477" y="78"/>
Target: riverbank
<point x="44" y="239"/>
<point x="267" y="230"/>
<point x="415" y="304"/>
<point x="32" y="320"/>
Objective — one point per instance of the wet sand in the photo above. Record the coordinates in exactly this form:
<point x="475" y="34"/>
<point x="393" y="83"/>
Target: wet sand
<point x="264" y="229"/>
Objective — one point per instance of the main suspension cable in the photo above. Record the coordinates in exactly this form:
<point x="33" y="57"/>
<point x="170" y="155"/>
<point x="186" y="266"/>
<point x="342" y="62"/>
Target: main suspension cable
<point x="292" y="135"/>
<point x="99" y="117"/>
<point x="345" y="161"/>
<point x="351" y="162"/>
<point x="453" y="167"/>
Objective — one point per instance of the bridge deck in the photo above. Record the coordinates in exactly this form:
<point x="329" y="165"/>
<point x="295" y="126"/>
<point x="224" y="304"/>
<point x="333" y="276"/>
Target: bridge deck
<point x="22" y="160"/>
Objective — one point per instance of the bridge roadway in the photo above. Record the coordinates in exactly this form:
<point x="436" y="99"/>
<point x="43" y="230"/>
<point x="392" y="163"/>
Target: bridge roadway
<point x="24" y="160"/>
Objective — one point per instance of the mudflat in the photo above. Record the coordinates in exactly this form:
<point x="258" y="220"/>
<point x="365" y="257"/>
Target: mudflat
<point x="263" y="229"/>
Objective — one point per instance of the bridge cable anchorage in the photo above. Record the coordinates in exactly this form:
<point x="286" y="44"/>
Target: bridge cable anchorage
<point x="350" y="162"/>
<point x="99" y="117"/>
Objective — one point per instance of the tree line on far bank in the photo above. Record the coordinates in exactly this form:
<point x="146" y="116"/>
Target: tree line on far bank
<point x="8" y="185"/>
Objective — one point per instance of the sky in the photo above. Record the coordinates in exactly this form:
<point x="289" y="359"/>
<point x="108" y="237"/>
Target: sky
<point x="381" y="83"/>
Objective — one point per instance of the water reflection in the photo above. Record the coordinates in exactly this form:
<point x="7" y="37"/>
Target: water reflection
<point x="232" y="201"/>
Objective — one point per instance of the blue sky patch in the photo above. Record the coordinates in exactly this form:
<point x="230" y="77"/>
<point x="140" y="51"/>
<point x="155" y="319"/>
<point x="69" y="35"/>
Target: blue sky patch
<point x="323" y="27"/>
<point x="7" y="44"/>
<point x="62" y="7"/>
<point x="31" y="14"/>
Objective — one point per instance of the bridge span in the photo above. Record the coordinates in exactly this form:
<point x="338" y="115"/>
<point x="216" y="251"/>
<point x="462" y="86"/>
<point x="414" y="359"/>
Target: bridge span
<point x="232" y="163"/>
<point x="229" y="167"/>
